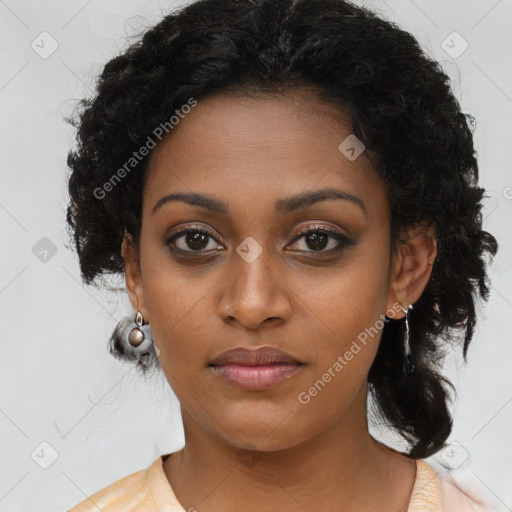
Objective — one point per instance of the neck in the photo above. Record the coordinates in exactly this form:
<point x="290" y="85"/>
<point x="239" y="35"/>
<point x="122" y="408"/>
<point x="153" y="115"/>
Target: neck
<point x="342" y="468"/>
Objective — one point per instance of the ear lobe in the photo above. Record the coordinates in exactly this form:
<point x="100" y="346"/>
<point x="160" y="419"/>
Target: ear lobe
<point x="412" y="266"/>
<point x="133" y="276"/>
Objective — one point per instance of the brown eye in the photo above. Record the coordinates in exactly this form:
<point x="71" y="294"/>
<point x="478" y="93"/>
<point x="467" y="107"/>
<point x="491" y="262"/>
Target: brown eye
<point x="317" y="240"/>
<point x="196" y="240"/>
<point x="192" y="240"/>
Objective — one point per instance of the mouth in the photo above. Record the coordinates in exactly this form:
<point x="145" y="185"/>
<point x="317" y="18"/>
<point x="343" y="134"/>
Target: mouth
<point x="255" y="369"/>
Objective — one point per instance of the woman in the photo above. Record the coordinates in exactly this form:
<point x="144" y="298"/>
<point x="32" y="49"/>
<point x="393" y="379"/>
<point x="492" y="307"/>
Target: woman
<point x="290" y="189"/>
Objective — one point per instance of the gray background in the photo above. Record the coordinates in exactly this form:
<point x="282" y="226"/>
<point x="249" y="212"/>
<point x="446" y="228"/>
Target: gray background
<point x="60" y="387"/>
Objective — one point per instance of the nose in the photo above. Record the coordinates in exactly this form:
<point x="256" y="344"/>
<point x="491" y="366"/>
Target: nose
<point x="255" y="296"/>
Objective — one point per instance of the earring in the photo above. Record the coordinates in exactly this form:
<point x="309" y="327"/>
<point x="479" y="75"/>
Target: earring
<point x="140" y="343"/>
<point x="409" y="366"/>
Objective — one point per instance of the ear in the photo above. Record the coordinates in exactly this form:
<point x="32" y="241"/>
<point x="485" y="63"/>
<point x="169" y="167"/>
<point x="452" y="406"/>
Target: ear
<point x="133" y="277"/>
<point x="411" y="266"/>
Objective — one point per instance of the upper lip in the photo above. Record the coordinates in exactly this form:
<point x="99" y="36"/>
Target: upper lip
<point x="253" y="357"/>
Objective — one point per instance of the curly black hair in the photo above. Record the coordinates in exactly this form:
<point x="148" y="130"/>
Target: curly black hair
<point x="401" y="107"/>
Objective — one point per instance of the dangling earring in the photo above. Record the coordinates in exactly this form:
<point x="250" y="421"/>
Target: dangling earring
<point x="140" y="343"/>
<point x="409" y="366"/>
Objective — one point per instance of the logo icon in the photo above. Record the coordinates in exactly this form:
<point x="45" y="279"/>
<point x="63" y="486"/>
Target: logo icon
<point x="44" y="45"/>
<point x="352" y="147"/>
<point x="455" y="455"/>
<point x="44" y="455"/>
<point x="454" y="45"/>
<point x="249" y="249"/>
<point x="44" y="250"/>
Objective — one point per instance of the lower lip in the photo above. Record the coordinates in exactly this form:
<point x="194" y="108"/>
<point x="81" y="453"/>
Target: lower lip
<point x="255" y="378"/>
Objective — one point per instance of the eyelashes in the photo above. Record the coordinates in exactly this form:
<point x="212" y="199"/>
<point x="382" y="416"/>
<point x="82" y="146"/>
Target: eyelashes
<point x="194" y="241"/>
<point x="341" y="240"/>
<point x="204" y="234"/>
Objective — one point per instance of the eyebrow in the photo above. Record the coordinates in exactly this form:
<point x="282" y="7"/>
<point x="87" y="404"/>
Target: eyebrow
<point x="283" y="206"/>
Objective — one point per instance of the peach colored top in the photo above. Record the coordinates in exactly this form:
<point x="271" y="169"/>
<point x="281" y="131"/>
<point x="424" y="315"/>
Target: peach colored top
<point x="149" y="490"/>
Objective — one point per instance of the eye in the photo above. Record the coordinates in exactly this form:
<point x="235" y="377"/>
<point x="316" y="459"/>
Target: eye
<point x="192" y="239"/>
<point x="316" y="238"/>
<point x="199" y="240"/>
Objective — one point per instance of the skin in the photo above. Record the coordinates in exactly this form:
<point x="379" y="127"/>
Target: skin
<point x="265" y="450"/>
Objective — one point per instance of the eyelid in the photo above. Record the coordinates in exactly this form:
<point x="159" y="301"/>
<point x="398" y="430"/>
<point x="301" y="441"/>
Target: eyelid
<point x="342" y="240"/>
<point x="325" y="229"/>
<point x="200" y="228"/>
<point x="192" y="228"/>
<point x="336" y="234"/>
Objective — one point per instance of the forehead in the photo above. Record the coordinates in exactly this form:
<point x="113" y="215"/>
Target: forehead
<point x="257" y="150"/>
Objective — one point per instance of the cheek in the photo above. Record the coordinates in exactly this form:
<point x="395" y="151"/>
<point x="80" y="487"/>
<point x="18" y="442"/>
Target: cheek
<point x="180" y="310"/>
<point x="344" y="301"/>
<point x="344" y="357"/>
<point x="178" y="319"/>
<point x="346" y="312"/>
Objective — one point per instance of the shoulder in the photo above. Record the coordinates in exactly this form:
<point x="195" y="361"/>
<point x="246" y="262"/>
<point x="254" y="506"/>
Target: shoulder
<point x="128" y="493"/>
<point x="461" y="491"/>
<point x="438" y="490"/>
<point x="456" y="498"/>
<point x="140" y="491"/>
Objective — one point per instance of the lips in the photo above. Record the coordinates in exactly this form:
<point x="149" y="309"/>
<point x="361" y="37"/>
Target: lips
<point x="255" y="369"/>
<point x="254" y="357"/>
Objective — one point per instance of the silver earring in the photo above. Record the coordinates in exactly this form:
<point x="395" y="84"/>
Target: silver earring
<point x="140" y="342"/>
<point x="409" y="366"/>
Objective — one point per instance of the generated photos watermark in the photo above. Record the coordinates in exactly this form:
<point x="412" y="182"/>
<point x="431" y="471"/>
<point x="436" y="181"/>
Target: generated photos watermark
<point x="137" y="156"/>
<point x="304" y="397"/>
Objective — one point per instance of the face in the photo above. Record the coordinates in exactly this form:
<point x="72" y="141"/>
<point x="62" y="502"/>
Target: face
<point x="258" y="266"/>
